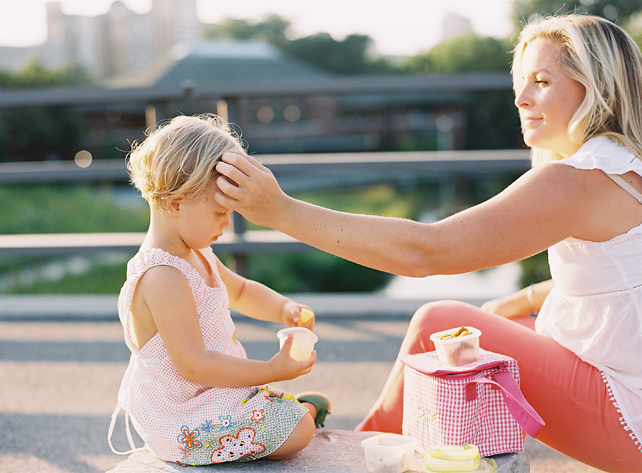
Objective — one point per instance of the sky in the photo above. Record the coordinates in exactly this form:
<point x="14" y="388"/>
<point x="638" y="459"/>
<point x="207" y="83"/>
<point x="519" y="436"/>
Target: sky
<point x="398" y="27"/>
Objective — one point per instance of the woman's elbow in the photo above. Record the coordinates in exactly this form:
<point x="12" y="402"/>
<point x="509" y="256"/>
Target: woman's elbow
<point x="418" y="263"/>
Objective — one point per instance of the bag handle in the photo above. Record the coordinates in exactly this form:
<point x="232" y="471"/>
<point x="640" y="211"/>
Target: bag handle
<point x="517" y="404"/>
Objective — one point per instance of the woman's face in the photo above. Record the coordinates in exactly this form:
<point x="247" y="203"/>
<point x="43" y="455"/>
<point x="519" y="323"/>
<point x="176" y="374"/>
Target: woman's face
<point x="547" y="98"/>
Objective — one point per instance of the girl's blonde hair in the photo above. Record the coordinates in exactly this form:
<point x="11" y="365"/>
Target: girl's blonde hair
<point x="179" y="158"/>
<point x="607" y="62"/>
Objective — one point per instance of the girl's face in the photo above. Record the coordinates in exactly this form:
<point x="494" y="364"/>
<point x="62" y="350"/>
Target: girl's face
<point x="203" y="219"/>
<point x="547" y="98"/>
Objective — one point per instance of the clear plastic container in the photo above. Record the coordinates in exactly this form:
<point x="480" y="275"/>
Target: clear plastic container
<point x="458" y="350"/>
<point x="303" y="342"/>
<point x="389" y="453"/>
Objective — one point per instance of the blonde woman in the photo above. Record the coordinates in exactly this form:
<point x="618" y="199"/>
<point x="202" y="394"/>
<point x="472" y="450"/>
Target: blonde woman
<point x="578" y="86"/>
<point x="192" y="393"/>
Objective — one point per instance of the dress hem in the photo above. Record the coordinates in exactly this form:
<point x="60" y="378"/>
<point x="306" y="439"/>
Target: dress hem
<point x="622" y="420"/>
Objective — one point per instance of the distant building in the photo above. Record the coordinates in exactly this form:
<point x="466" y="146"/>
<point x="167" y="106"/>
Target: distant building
<point x="455" y="25"/>
<point x="286" y="122"/>
<point x="160" y="48"/>
<point x="118" y="41"/>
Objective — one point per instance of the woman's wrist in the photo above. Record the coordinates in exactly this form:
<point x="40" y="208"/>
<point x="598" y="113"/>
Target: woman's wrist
<point x="530" y="296"/>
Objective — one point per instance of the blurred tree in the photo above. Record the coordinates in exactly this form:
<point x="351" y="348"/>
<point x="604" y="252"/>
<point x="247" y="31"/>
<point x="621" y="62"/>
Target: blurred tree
<point x="614" y="10"/>
<point x="349" y="56"/>
<point x="273" y="30"/>
<point x="465" y="53"/>
<point x="492" y="119"/>
<point x="39" y="133"/>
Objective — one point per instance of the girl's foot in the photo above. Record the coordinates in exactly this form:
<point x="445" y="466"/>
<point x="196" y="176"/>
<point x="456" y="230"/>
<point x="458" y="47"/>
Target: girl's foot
<point x="320" y="402"/>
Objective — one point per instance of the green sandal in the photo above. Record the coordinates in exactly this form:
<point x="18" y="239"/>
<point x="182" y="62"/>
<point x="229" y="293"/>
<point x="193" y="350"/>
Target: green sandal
<point x="318" y="400"/>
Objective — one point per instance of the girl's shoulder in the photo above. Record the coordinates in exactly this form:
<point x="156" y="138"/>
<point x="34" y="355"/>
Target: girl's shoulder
<point x="149" y="258"/>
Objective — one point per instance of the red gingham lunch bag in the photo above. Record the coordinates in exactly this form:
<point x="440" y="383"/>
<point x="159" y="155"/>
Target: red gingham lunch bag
<point x="477" y="403"/>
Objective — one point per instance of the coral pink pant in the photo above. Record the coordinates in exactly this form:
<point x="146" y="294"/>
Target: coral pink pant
<point x="569" y="394"/>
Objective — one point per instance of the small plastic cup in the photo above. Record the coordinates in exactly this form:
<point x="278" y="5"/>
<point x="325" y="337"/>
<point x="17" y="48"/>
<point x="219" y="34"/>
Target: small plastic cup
<point x="389" y="453"/>
<point x="303" y="342"/>
<point x="458" y="350"/>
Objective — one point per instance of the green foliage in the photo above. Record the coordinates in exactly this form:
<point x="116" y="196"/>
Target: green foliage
<point x="349" y="56"/>
<point x="67" y="209"/>
<point x="273" y="30"/>
<point x="493" y="121"/>
<point x="34" y="74"/>
<point x="103" y="277"/>
<point x="40" y="133"/>
<point x="314" y="272"/>
<point x="535" y="269"/>
<point x="321" y="272"/>
<point x="614" y="10"/>
<point x="466" y="53"/>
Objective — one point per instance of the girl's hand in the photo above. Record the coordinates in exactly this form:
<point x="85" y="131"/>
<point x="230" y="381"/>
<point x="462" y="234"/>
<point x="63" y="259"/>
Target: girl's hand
<point x="285" y="367"/>
<point x="292" y="313"/>
<point x="248" y="187"/>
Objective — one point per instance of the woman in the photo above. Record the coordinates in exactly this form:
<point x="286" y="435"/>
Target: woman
<point x="577" y="81"/>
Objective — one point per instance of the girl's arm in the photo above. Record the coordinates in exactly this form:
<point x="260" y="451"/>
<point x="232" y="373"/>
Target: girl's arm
<point x="258" y="301"/>
<point x="546" y="205"/>
<point x="164" y="293"/>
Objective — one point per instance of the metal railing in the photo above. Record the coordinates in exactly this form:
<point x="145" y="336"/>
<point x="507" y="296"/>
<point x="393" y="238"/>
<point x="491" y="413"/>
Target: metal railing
<point x="338" y="170"/>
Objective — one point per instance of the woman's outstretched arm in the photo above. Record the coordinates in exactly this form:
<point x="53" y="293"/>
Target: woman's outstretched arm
<point x="538" y="210"/>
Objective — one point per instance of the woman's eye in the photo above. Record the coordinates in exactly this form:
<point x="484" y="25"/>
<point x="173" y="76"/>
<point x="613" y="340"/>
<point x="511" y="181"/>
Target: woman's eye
<point x="221" y="214"/>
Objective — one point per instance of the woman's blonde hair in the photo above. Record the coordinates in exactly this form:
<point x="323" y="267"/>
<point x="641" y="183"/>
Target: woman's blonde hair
<point x="179" y="158"/>
<point x="607" y="62"/>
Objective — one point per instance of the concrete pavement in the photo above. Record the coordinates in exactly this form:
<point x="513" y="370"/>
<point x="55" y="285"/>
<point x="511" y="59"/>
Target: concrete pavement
<point x="59" y="381"/>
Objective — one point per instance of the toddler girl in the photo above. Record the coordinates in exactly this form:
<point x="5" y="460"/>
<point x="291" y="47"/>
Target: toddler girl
<point x="192" y="393"/>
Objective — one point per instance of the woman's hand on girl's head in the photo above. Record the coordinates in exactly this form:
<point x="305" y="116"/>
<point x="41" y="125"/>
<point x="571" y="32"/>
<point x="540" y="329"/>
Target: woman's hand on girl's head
<point x="284" y="367"/>
<point x="248" y="187"/>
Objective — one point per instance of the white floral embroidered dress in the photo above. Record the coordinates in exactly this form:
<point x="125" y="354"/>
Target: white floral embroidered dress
<point x="186" y="422"/>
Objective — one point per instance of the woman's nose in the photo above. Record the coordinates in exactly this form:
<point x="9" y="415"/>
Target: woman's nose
<point x="522" y="98"/>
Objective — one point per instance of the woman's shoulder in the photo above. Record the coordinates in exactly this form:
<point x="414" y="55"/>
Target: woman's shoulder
<point x="557" y="176"/>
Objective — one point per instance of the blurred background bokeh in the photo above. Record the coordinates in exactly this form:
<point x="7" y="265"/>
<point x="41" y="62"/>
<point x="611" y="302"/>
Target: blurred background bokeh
<point x="80" y="82"/>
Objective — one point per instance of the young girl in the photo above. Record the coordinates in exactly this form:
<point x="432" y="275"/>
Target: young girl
<point x="190" y="390"/>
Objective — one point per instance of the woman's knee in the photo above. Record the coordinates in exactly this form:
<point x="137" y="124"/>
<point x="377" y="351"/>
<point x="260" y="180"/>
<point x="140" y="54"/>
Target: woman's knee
<point x="297" y="441"/>
<point x="430" y="318"/>
<point x="441" y="311"/>
<point x="442" y="315"/>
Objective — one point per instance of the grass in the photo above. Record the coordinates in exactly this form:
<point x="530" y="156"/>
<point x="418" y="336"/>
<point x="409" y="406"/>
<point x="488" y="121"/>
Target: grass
<point x="85" y="208"/>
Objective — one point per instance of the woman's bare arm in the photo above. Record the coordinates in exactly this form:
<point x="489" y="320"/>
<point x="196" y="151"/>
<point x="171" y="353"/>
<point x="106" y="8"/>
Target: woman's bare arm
<point x="546" y="205"/>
